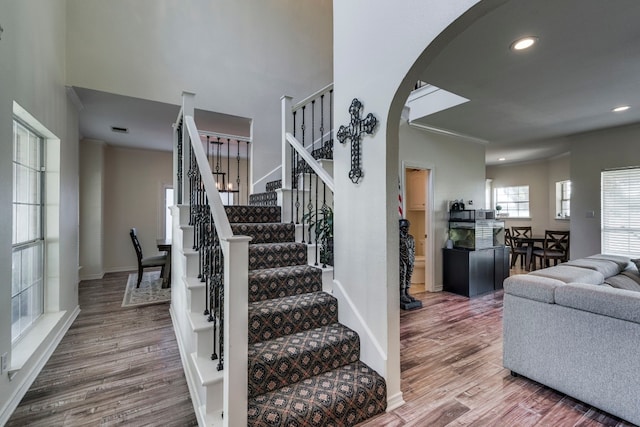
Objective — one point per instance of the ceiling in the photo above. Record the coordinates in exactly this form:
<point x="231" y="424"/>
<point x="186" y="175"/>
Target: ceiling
<point x="586" y="62"/>
<point x="522" y="105"/>
<point x="148" y="123"/>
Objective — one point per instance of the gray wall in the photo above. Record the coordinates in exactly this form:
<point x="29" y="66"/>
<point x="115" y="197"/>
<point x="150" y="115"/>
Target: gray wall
<point x="457" y="172"/>
<point x="541" y="177"/>
<point x="590" y="154"/>
<point x="238" y="57"/>
<point x="32" y="73"/>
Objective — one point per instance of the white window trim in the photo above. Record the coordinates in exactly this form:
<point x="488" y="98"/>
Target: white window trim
<point x="507" y="215"/>
<point x="621" y="204"/>
<point x="28" y="345"/>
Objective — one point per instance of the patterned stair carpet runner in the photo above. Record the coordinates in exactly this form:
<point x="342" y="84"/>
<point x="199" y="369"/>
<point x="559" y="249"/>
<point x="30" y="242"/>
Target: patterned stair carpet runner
<point x="304" y="366"/>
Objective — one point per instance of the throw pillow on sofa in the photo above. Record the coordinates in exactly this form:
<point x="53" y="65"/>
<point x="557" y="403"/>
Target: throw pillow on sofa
<point x="628" y="279"/>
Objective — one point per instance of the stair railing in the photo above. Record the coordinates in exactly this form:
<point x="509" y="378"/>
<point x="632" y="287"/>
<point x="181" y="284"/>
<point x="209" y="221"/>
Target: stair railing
<point x="307" y="135"/>
<point x="223" y="262"/>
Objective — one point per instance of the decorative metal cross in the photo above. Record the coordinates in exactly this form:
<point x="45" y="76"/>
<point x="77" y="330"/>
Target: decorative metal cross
<point x="353" y="132"/>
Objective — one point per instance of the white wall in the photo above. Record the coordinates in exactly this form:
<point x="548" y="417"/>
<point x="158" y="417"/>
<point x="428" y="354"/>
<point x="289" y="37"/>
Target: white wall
<point x="457" y="172"/>
<point x="238" y="57"/>
<point x="590" y="154"/>
<point x="92" y="182"/>
<point x="32" y="73"/>
<point x="541" y="177"/>
<point x="391" y="39"/>
<point x="134" y="197"/>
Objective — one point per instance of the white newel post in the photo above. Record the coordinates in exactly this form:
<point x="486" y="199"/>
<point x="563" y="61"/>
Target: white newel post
<point x="287" y="127"/>
<point x="236" y="329"/>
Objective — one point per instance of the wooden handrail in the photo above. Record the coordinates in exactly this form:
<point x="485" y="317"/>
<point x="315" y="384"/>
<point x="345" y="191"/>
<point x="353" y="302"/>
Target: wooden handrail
<point x="311" y="97"/>
<point x="215" y="202"/>
<point x="313" y="163"/>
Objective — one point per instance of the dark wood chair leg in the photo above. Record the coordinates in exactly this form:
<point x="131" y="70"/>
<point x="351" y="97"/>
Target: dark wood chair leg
<point x="139" y="276"/>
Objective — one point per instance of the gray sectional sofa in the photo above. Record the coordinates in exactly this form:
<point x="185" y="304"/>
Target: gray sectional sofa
<point x="575" y="327"/>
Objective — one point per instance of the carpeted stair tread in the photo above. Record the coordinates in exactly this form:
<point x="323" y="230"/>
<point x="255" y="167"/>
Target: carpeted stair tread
<point x="291" y="358"/>
<point x="269" y="283"/>
<point x="271" y="255"/>
<point x="341" y="397"/>
<point x="252" y="213"/>
<point x="272" y="232"/>
<point x="268" y="198"/>
<point x="278" y="317"/>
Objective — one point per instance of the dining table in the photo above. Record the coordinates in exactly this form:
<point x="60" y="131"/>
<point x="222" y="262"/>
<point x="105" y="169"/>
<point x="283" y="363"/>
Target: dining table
<point x="164" y="245"/>
<point x="529" y="243"/>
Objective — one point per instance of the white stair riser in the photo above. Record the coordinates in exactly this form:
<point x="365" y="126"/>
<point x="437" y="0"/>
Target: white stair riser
<point x="204" y="343"/>
<point x="196" y="299"/>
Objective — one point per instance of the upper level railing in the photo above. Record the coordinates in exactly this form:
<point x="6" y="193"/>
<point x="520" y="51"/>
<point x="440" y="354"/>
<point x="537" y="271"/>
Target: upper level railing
<point x="307" y="135"/>
<point x="222" y="261"/>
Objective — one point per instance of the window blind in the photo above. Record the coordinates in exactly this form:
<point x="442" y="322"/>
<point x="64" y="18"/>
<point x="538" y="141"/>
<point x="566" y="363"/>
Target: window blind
<point x="621" y="212"/>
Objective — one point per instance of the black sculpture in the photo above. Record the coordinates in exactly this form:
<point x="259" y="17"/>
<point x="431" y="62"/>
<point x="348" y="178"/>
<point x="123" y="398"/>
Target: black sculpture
<point x="407" y="260"/>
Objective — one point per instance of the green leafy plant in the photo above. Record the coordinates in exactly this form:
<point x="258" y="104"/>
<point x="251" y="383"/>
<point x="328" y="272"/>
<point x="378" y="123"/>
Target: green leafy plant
<point x="321" y="224"/>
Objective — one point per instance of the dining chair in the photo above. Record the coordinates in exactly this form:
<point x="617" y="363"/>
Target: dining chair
<point x="517" y="250"/>
<point x="556" y="248"/>
<point x="153" y="261"/>
<point x="521" y="231"/>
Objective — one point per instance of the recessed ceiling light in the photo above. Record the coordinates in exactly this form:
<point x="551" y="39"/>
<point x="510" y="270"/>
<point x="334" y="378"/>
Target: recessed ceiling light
<point x="620" y="108"/>
<point x="524" y="43"/>
<point x="502" y="159"/>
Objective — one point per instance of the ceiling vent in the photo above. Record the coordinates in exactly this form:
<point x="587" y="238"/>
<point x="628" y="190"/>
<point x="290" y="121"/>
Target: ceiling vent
<point x="118" y="129"/>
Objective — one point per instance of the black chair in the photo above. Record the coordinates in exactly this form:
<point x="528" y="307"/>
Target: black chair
<point x="154" y="261"/>
<point x="517" y="250"/>
<point x="556" y="248"/>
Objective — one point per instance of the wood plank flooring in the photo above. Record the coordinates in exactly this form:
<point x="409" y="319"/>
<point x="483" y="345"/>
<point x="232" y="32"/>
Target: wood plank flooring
<point x="452" y="374"/>
<point x="115" y="366"/>
<point x="121" y="366"/>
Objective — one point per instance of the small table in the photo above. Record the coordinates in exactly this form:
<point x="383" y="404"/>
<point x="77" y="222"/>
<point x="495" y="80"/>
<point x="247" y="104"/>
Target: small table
<point x="164" y="245"/>
<point x="529" y="242"/>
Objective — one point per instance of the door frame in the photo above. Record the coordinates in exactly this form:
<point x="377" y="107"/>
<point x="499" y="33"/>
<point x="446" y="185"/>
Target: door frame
<point x="429" y="254"/>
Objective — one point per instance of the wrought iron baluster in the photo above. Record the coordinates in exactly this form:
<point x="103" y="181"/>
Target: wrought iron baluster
<point x="311" y="206"/>
<point x="179" y="172"/>
<point x="238" y="175"/>
<point x="247" y="163"/>
<point x="220" y="281"/>
<point x="304" y="175"/>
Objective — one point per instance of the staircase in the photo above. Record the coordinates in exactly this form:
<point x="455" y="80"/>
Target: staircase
<point x="304" y="366"/>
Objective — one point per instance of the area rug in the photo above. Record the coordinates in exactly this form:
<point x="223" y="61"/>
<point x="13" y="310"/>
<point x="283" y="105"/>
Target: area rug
<point x="149" y="292"/>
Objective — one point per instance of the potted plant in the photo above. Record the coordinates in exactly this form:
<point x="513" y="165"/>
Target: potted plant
<point x="498" y="209"/>
<point x="321" y="222"/>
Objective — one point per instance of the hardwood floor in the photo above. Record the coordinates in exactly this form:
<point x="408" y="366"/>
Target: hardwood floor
<point x="452" y="374"/>
<point x="115" y="366"/>
<point x="122" y="366"/>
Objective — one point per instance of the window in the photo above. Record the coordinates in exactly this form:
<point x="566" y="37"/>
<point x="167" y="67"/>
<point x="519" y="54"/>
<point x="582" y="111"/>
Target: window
<point x="27" y="276"/>
<point x="168" y="202"/>
<point x="620" y="209"/>
<point x="514" y="201"/>
<point x="563" y="199"/>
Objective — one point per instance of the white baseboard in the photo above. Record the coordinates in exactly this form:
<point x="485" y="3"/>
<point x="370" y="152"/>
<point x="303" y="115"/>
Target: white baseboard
<point x="198" y="406"/>
<point x="395" y="401"/>
<point x="96" y="276"/>
<point x="30" y="377"/>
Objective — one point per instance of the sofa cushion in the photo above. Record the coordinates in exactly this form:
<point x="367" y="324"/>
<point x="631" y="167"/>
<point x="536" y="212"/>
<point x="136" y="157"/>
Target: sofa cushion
<point x="622" y="261"/>
<point x="606" y="267"/>
<point x="616" y="303"/>
<point x="532" y="287"/>
<point x="568" y="274"/>
<point x="629" y="280"/>
<point x="636" y="262"/>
